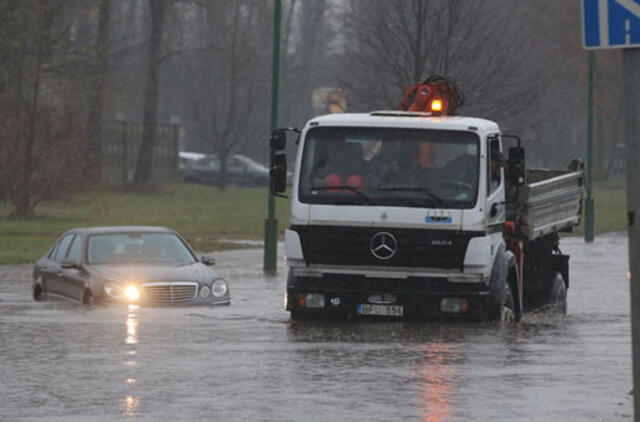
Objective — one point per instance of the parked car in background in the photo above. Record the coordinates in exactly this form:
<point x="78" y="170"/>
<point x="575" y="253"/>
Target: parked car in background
<point x="206" y="169"/>
<point x="130" y="265"/>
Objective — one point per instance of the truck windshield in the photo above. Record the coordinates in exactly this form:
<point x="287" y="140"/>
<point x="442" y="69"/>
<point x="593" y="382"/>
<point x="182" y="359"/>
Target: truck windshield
<point x="390" y="166"/>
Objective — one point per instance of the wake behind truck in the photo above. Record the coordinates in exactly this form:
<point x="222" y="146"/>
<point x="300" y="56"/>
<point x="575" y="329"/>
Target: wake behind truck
<point x="416" y="213"/>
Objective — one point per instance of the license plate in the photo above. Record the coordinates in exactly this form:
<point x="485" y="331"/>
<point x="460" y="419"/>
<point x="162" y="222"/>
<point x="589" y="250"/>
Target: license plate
<point x="382" y="310"/>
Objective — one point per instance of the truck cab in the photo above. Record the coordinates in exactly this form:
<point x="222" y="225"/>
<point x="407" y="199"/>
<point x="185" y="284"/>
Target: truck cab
<point x="411" y="214"/>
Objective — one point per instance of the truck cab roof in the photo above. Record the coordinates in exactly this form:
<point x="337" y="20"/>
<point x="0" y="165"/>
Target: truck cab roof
<point x="405" y="119"/>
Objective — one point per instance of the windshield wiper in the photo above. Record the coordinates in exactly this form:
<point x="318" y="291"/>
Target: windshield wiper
<point x="433" y="196"/>
<point x="346" y="187"/>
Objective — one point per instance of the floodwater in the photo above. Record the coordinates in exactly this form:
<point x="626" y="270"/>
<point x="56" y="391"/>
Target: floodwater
<point x="247" y="361"/>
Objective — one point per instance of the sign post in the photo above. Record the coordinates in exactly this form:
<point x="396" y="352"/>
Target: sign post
<point x="271" y="223"/>
<point x="616" y="24"/>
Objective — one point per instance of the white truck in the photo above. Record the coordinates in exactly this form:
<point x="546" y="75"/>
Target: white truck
<point x="417" y="214"/>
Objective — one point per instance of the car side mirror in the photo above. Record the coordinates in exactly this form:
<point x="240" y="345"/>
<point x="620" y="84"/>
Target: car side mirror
<point x="70" y="264"/>
<point x="208" y="260"/>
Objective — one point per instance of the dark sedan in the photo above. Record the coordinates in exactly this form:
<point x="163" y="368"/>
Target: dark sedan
<point x="241" y="170"/>
<point x="132" y="265"/>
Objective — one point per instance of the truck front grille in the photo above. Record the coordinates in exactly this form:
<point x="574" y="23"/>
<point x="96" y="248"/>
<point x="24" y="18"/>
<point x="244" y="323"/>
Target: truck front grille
<point x="170" y="292"/>
<point x="337" y="245"/>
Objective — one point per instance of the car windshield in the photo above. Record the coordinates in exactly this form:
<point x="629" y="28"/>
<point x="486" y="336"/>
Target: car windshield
<point x="390" y="166"/>
<point x="126" y="248"/>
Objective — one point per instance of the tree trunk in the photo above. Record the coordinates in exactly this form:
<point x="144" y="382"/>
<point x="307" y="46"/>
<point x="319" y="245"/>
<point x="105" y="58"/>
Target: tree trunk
<point x="223" y="180"/>
<point x="93" y="158"/>
<point x="145" y="155"/>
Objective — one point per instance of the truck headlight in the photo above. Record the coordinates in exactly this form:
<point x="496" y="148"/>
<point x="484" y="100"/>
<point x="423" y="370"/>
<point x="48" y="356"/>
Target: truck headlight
<point x="219" y="288"/>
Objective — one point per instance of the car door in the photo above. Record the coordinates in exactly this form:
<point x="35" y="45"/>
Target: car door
<point x="72" y="279"/>
<point x="47" y="268"/>
<point x="53" y="278"/>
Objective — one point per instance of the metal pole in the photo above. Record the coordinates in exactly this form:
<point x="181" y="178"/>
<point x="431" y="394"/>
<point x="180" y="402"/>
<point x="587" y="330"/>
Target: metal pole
<point x="271" y="223"/>
<point x="589" y="208"/>
<point x="631" y="59"/>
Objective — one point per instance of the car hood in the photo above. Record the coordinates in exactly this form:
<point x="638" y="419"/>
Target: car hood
<point x="144" y="272"/>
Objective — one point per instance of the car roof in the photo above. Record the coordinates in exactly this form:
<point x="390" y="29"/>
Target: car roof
<point x="121" y="229"/>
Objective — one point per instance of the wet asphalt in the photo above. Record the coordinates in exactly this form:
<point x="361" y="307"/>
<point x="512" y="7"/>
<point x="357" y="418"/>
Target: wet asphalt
<point x="249" y="362"/>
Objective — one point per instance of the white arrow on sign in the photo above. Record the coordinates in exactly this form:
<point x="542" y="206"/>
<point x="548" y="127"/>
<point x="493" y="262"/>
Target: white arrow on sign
<point x="631" y="6"/>
<point x="603" y="21"/>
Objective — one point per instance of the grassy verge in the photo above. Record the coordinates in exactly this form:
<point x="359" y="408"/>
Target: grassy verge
<point x="610" y="207"/>
<point x="204" y="215"/>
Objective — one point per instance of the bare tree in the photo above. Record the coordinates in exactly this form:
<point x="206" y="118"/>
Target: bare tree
<point x="224" y="77"/>
<point x="392" y="44"/>
<point x="38" y="138"/>
<point x="151" y="91"/>
<point x="93" y="154"/>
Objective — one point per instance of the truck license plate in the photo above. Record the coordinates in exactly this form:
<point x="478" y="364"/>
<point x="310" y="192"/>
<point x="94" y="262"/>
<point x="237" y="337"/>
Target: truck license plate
<point x="382" y="310"/>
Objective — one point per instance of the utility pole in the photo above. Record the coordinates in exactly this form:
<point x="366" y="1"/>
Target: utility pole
<point x="631" y="58"/>
<point x="589" y="208"/>
<point x="271" y="223"/>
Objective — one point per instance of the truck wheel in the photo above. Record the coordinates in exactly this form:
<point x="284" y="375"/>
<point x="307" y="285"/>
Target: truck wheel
<point x="507" y="313"/>
<point x="557" y="299"/>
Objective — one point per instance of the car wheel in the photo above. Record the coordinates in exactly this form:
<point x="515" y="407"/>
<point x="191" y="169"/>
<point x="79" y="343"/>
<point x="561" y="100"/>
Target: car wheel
<point x="87" y="298"/>
<point x="38" y="291"/>
<point x="507" y="313"/>
<point x="557" y="300"/>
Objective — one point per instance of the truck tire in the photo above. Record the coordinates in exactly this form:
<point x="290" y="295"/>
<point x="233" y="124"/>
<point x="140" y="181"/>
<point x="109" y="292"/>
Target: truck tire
<point x="557" y="299"/>
<point x="507" y="310"/>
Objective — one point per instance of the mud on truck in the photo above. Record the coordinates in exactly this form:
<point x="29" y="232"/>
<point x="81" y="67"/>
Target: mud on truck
<point x="416" y="212"/>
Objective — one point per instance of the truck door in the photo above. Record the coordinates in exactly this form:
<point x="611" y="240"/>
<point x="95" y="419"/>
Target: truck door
<point x="495" y="205"/>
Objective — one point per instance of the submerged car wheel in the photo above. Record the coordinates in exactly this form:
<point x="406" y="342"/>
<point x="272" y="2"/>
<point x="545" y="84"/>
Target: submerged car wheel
<point x="87" y="298"/>
<point x="38" y="291"/>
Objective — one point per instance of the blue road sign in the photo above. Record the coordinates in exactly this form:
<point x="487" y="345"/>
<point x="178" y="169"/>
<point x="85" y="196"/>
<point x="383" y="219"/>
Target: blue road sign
<point x="611" y="23"/>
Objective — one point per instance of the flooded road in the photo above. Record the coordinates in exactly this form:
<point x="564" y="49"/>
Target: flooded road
<point x="247" y="361"/>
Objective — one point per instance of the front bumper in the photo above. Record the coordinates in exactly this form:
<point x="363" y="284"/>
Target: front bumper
<point x="420" y="297"/>
<point x="169" y="294"/>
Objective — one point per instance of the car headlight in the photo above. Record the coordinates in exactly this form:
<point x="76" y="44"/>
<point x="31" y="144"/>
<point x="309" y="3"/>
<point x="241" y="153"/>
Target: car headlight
<point x="114" y="290"/>
<point x="131" y="292"/>
<point x="219" y="288"/>
<point x="205" y="291"/>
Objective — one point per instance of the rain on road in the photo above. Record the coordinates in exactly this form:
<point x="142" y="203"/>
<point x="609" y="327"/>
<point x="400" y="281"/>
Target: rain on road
<point x="248" y="361"/>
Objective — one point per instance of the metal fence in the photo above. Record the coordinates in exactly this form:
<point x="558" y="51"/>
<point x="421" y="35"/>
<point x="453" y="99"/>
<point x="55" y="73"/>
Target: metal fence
<point x="121" y="144"/>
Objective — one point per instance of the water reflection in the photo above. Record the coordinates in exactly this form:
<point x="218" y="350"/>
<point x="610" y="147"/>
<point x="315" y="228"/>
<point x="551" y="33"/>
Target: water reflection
<point x="437" y="377"/>
<point x="130" y="405"/>
<point x="132" y="325"/>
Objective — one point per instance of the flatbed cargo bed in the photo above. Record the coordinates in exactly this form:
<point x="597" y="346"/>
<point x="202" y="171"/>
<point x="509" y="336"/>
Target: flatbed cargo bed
<point x="549" y="201"/>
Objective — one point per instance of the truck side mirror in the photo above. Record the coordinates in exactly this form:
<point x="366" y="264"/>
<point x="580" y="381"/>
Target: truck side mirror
<point x="278" y="173"/>
<point x="278" y="140"/>
<point x="516" y="174"/>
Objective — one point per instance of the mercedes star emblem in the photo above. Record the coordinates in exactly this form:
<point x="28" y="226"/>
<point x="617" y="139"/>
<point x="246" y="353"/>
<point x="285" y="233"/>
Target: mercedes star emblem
<point x="383" y="245"/>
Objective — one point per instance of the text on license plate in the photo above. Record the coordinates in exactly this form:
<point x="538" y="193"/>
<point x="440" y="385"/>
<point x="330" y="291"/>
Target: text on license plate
<point x="383" y="310"/>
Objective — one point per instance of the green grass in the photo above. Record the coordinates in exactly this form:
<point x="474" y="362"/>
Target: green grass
<point x="204" y="215"/>
<point x="610" y="207"/>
